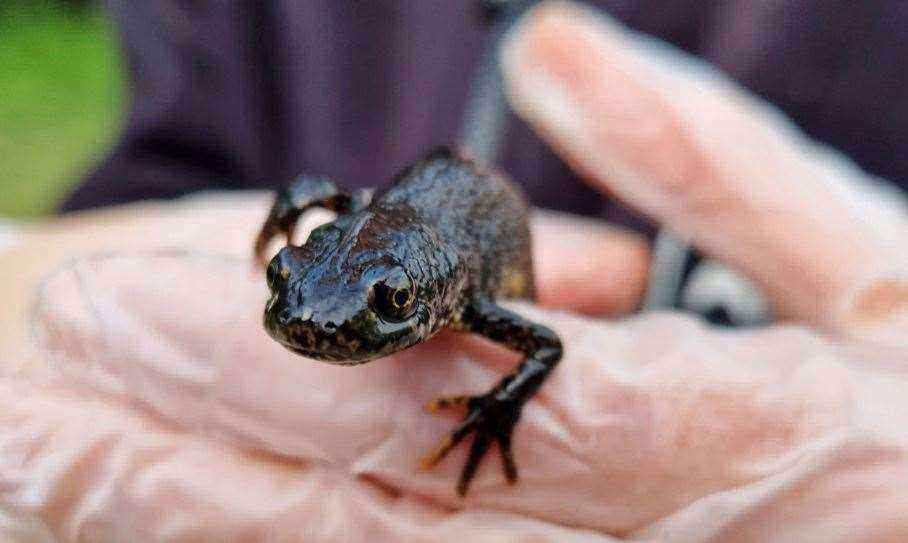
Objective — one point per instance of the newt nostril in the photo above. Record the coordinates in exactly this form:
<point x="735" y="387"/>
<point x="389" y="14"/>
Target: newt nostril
<point x="284" y="317"/>
<point x="330" y="327"/>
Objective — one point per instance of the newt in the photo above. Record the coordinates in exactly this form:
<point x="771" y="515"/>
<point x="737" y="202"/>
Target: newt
<point x="437" y="249"/>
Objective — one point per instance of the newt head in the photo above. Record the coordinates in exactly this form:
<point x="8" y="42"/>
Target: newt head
<point x="340" y="300"/>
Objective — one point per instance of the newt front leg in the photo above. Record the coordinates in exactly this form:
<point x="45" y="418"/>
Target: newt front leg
<point x="492" y="416"/>
<point x="302" y="194"/>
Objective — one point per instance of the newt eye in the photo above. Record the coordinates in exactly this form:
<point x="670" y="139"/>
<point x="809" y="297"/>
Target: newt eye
<point x="393" y="297"/>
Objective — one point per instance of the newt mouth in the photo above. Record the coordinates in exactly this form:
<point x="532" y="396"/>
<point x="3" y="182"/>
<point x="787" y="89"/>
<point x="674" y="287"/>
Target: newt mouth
<point x="300" y="343"/>
<point x="320" y="356"/>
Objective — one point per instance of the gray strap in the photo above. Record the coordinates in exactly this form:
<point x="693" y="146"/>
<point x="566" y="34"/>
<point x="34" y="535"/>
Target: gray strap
<point x="483" y="124"/>
<point x="666" y="271"/>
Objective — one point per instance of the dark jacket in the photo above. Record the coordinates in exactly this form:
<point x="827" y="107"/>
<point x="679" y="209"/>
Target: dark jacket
<point x="251" y="94"/>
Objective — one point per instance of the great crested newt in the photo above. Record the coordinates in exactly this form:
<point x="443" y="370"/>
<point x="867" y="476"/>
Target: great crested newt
<point x="437" y="249"/>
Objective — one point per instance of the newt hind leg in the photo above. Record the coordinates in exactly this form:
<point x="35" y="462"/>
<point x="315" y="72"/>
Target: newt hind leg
<point x="304" y="193"/>
<point x="516" y="283"/>
<point x="492" y="416"/>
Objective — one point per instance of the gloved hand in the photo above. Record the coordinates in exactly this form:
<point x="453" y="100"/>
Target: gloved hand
<point x="680" y="143"/>
<point x="176" y="419"/>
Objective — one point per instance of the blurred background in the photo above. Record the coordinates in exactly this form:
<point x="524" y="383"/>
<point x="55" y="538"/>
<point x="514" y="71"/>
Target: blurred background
<point x="62" y="99"/>
<point x="247" y="95"/>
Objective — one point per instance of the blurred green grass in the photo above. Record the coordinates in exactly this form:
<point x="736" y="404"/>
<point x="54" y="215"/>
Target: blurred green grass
<point x="62" y="94"/>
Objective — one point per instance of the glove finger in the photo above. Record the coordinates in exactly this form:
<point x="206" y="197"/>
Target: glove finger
<point x="587" y="266"/>
<point x="681" y="144"/>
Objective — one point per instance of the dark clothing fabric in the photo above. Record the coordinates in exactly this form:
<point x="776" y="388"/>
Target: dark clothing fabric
<point x="249" y="94"/>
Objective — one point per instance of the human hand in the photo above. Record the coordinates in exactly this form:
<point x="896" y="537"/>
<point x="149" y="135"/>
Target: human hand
<point x="202" y="428"/>
<point x="677" y="141"/>
<point x="96" y="315"/>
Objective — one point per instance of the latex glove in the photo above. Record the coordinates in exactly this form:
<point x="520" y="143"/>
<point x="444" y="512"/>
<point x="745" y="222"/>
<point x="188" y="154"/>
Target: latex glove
<point x="178" y="334"/>
<point x="653" y="428"/>
<point x="679" y="142"/>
